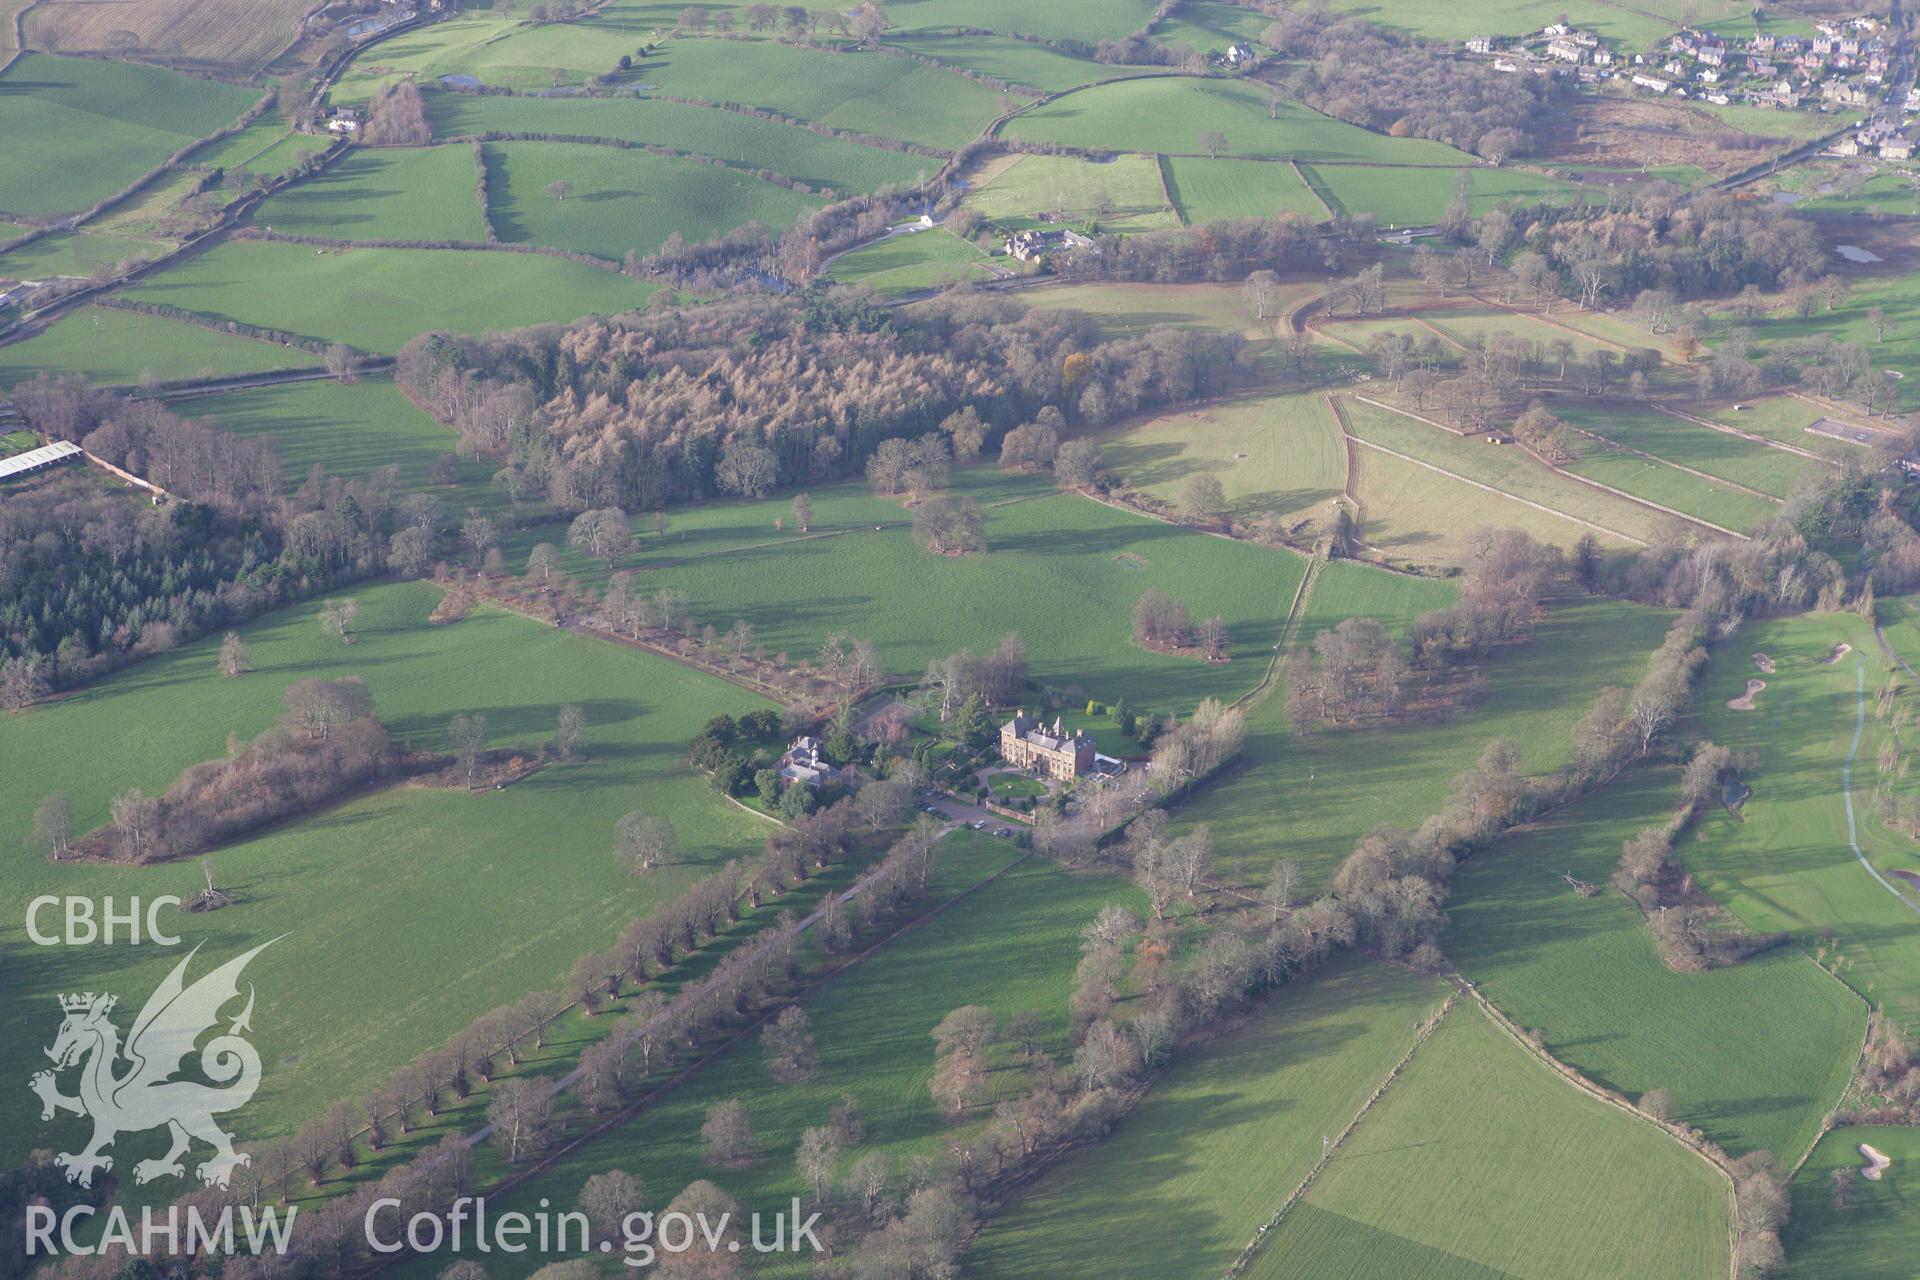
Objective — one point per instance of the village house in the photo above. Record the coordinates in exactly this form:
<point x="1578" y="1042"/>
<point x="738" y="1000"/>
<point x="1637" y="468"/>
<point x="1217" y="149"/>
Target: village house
<point x="1480" y="44"/>
<point x="804" y="763"/>
<point x="1026" y="743"/>
<point x="1037" y="242"/>
<point x="1565" y="50"/>
<point x="1654" y="83"/>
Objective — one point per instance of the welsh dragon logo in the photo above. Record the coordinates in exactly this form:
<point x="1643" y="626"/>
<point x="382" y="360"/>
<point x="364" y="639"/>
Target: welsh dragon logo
<point x="130" y="1088"/>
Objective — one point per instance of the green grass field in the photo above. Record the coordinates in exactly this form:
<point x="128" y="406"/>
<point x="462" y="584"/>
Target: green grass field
<point x="1466" y="323"/>
<point x="1073" y="190"/>
<point x="500" y="52"/>
<point x="717" y="528"/>
<point x="912" y="262"/>
<point x="1412" y="197"/>
<point x="1508" y="470"/>
<point x="1786" y="419"/>
<point x="1209" y="26"/>
<point x="748" y="141"/>
<point x="1279" y="455"/>
<point x="1062" y="570"/>
<point x="1754" y="1055"/>
<point x="379" y="299"/>
<point x="80" y="129"/>
<point x="349" y="429"/>
<point x="1788" y="865"/>
<point x="1125" y="310"/>
<point x="1334" y="785"/>
<point x="1756" y="466"/>
<point x="1631" y="29"/>
<point x="264" y="147"/>
<point x="624" y="200"/>
<point x="1214" y="190"/>
<point x="1875" y="1240"/>
<point x="1654" y="481"/>
<point x="881" y="94"/>
<point x="1085" y="20"/>
<point x="75" y="253"/>
<point x="1168" y="115"/>
<point x="1413" y="515"/>
<point x="121" y="348"/>
<point x="1848" y="322"/>
<point x="1011" y="946"/>
<point x="410" y="881"/>
<point x="165" y="209"/>
<point x="410" y="193"/>
<point x="1054" y="571"/>
<point x="1481" y="1162"/>
<point x="1233" y="1127"/>
<point x="1017" y="62"/>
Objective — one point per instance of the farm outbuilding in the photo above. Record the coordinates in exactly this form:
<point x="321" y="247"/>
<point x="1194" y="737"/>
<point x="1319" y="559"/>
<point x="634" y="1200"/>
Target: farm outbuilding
<point x="48" y="455"/>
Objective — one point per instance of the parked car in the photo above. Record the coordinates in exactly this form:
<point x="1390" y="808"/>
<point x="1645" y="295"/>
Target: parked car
<point x="1005" y="833"/>
<point x="980" y="825"/>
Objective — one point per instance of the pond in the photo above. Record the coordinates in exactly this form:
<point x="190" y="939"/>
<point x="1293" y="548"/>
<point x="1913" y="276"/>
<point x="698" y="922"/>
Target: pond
<point x="1854" y="253"/>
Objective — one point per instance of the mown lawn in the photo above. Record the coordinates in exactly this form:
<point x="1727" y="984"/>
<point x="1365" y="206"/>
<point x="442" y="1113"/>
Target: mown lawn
<point x="1670" y="487"/>
<point x="407" y="193"/>
<point x="1786" y="419"/>
<point x="1412" y="515"/>
<point x="1506" y="469"/>
<point x="1754" y="1055"/>
<point x="1168" y="115"/>
<point x="624" y="201"/>
<point x="1873" y="1240"/>
<point x="1198" y="1166"/>
<point x="475" y="899"/>
<point x="121" y="348"/>
<point x="1788" y="865"/>
<point x="743" y="140"/>
<point x="80" y="129"/>
<point x="1481" y="1161"/>
<point x="379" y="299"/>
<point x="1717" y="453"/>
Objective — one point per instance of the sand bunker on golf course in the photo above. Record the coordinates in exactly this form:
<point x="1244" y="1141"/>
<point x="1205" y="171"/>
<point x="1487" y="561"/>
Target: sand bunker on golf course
<point x="1763" y="662"/>
<point x="1745" y="701"/>
<point x="1839" y="651"/>
<point x="1876" y="1163"/>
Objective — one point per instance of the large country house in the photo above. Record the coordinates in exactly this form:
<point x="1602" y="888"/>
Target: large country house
<point x="1026" y="743"/>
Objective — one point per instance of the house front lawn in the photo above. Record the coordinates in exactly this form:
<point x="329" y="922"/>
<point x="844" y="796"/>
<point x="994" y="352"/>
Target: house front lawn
<point x="1015" y="786"/>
